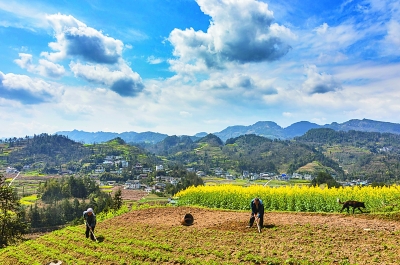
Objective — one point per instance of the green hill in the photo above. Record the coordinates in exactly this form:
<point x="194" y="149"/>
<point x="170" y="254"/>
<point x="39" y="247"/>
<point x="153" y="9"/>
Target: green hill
<point x="371" y="155"/>
<point x="251" y="153"/>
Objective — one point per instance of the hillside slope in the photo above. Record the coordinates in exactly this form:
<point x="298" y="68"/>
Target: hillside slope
<point x="370" y="155"/>
<point x="155" y="236"/>
<point x="251" y="153"/>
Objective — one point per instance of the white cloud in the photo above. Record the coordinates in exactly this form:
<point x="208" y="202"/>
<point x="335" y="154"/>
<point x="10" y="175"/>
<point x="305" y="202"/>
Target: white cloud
<point x="96" y="57"/>
<point x="241" y="31"/>
<point x="322" y="29"/>
<point x="185" y="114"/>
<point x="319" y="82"/>
<point x="74" y="38"/>
<point x="18" y="15"/>
<point x="26" y="90"/>
<point x="44" y="68"/>
<point x="121" y="80"/>
<point x="391" y="42"/>
<point x="154" y="60"/>
<point x="337" y="37"/>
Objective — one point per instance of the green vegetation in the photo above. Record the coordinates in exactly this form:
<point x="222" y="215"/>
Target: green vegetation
<point x="28" y="200"/>
<point x="347" y="155"/>
<point x="369" y="155"/>
<point x="12" y="225"/>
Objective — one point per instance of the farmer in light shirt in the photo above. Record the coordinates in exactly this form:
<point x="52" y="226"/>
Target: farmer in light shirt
<point x="90" y="221"/>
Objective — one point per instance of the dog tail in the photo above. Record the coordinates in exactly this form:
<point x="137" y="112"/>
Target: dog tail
<point x="338" y="200"/>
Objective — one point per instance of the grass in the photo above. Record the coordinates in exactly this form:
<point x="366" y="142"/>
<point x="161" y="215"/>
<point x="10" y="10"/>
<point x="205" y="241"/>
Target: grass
<point x="106" y="187"/>
<point x="214" y="181"/>
<point x="28" y="200"/>
<point x="151" y="197"/>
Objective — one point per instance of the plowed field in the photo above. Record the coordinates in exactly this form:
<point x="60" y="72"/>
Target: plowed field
<point x="156" y="236"/>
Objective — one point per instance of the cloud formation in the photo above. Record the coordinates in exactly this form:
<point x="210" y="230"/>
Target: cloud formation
<point x="95" y="57"/>
<point x="240" y="31"/>
<point x="76" y="39"/>
<point x="319" y="83"/>
<point x="121" y="80"/>
<point x="44" y="68"/>
<point x="26" y="90"/>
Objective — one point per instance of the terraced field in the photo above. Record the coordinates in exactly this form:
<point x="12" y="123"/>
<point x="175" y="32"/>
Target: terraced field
<point x="156" y="236"/>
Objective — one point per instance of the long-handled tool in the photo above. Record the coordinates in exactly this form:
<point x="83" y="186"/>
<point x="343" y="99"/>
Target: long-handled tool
<point x="258" y="224"/>
<point x="91" y="231"/>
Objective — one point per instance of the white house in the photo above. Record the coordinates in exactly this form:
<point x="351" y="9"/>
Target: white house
<point x="11" y="170"/>
<point x="200" y="173"/>
<point x="146" y="170"/>
<point x="159" y="167"/>
<point x="174" y="181"/>
<point x="99" y="169"/>
<point x="124" y="163"/>
<point x="132" y="185"/>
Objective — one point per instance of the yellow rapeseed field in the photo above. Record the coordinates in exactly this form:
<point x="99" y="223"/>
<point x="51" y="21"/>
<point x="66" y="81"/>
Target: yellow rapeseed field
<point x="289" y="198"/>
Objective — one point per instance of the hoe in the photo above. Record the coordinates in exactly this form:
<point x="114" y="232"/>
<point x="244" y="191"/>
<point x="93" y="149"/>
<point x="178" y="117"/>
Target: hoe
<point x="258" y="225"/>
<point x="91" y="231"/>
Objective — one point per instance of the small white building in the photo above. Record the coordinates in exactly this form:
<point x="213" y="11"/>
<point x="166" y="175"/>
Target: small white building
<point x="200" y="173"/>
<point x="124" y="163"/>
<point x="11" y="170"/>
<point x="132" y="185"/>
<point x="146" y="170"/>
<point x="99" y="169"/>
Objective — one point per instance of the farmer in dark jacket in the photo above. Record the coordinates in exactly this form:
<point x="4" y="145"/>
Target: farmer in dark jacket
<point x="257" y="211"/>
<point x="90" y="221"/>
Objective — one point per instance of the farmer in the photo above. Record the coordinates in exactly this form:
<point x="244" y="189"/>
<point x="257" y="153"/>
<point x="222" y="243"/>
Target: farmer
<point x="257" y="211"/>
<point x="90" y="221"/>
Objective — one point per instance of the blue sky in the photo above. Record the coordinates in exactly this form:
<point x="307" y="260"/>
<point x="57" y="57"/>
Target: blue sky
<point x="184" y="66"/>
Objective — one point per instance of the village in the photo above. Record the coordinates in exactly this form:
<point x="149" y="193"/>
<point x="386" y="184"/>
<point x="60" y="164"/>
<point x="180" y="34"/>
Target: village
<point x="155" y="179"/>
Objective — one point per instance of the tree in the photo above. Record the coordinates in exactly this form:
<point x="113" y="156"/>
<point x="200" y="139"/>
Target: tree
<point x="324" y="177"/>
<point x="12" y="226"/>
<point x="117" y="200"/>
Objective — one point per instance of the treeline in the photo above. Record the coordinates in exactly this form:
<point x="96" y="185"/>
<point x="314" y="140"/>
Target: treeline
<point x="70" y="210"/>
<point x="57" y="189"/>
<point x="187" y="179"/>
<point x="368" y="155"/>
<point x="373" y="141"/>
<point x="249" y="153"/>
<point x="66" y="200"/>
<point x="12" y="215"/>
<point x="53" y="150"/>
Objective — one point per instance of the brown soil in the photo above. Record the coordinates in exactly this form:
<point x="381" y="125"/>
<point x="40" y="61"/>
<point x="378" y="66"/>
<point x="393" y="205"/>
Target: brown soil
<point x="209" y="218"/>
<point x="317" y="238"/>
<point x="130" y="195"/>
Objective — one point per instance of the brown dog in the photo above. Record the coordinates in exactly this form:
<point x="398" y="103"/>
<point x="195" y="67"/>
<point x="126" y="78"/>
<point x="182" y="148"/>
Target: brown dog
<point x="354" y="204"/>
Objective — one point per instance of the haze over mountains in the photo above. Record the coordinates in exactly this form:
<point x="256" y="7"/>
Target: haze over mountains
<point x="267" y="129"/>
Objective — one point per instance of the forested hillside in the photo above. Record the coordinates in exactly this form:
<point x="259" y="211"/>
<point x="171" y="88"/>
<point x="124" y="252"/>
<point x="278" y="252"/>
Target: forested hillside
<point x="250" y="153"/>
<point x="370" y="155"/>
<point x="47" y="151"/>
<point x="52" y="154"/>
<point x="345" y="154"/>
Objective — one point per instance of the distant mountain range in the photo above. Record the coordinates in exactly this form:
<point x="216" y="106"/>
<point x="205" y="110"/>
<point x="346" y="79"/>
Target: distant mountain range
<point x="267" y="129"/>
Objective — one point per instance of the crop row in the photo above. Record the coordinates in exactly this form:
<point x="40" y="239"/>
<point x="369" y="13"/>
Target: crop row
<point x="290" y="198"/>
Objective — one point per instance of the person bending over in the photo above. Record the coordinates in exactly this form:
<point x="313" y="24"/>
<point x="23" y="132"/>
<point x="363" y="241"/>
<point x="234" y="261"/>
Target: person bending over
<point x="257" y="211"/>
<point x="90" y="221"/>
